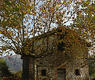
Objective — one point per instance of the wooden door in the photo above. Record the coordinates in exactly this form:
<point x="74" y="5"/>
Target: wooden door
<point x="61" y="74"/>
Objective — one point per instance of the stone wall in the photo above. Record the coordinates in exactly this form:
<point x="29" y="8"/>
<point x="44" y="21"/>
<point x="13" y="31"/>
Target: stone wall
<point x="76" y="65"/>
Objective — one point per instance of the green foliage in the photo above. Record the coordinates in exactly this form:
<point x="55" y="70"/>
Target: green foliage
<point x="18" y="74"/>
<point x="92" y="68"/>
<point x="4" y="68"/>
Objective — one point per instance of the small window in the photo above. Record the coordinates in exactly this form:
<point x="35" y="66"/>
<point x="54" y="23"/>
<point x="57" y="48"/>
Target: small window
<point x="61" y="46"/>
<point x="43" y="72"/>
<point x="77" y="72"/>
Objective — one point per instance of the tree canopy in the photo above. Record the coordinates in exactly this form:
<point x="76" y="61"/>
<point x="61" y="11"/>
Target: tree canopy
<point x="23" y="19"/>
<point x="85" y="22"/>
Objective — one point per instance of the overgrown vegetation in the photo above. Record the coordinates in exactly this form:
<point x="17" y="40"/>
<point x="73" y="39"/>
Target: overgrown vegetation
<point x="4" y="69"/>
<point x="92" y="68"/>
<point x="4" y="72"/>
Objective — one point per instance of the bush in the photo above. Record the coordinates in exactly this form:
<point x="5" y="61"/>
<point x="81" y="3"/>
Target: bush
<point x="4" y="69"/>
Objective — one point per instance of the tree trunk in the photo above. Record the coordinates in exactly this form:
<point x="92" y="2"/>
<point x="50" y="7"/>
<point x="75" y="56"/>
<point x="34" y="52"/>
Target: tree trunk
<point x="28" y="68"/>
